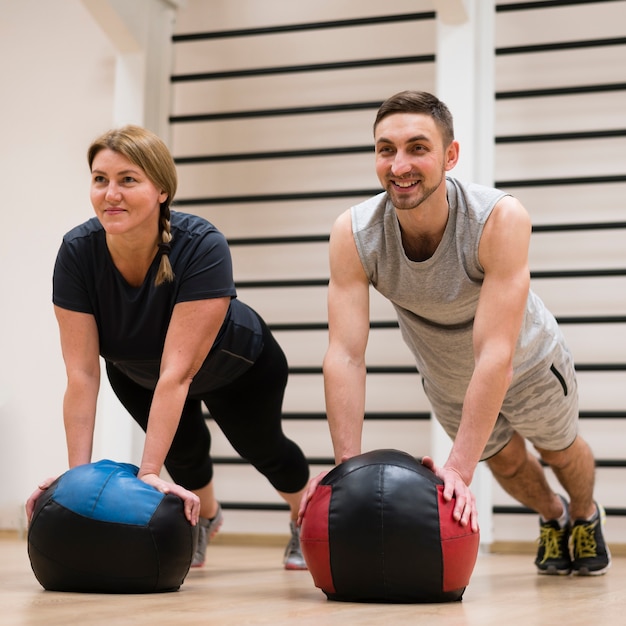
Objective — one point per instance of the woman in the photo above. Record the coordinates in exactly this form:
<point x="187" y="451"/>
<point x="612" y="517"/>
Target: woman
<point x="152" y="292"/>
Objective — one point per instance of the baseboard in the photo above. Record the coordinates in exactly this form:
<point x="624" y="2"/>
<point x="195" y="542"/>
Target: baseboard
<point x="10" y="534"/>
<point x="278" y="540"/>
<point x="250" y="539"/>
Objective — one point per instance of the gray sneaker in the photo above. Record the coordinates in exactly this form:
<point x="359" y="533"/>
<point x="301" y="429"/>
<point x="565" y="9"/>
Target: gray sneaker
<point x="293" y="554"/>
<point x="207" y="529"/>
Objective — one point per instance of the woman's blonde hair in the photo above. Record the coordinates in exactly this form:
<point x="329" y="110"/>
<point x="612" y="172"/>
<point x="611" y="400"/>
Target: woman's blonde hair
<point x="147" y="151"/>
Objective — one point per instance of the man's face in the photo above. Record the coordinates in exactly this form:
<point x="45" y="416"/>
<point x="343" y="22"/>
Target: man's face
<point x="411" y="160"/>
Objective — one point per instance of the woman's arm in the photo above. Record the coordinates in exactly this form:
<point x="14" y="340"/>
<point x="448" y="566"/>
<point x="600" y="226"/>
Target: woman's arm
<point x="192" y="331"/>
<point x="79" y="345"/>
<point x="80" y="349"/>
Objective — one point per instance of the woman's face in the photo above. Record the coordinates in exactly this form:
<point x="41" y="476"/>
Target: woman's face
<point x="124" y="199"/>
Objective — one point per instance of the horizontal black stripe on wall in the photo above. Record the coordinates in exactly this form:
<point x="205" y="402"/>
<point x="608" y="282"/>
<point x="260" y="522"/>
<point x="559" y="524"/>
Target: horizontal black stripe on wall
<point x="544" y="4"/>
<point x="275" y="154"/>
<point x="595" y="273"/>
<point x="497" y="510"/>
<point x="374" y="105"/>
<point x="323" y="326"/>
<point x="537" y="228"/>
<point x="554" y="182"/>
<point x="541" y="228"/>
<point x="366" y="193"/>
<point x="327" y="460"/>
<point x="290" y="28"/>
<point x="602" y="414"/>
<point x="386" y="324"/>
<point x="557" y="228"/>
<point x="277" y="197"/>
<point x="366" y="149"/>
<point x="277" y="240"/>
<point x="569" y="136"/>
<point x="323" y="282"/>
<point x="411" y="369"/>
<point x="562" y="45"/>
<point x="592" y="414"/>
<point x="522" y="510"/>
<point x="276" y="112"/>
<point x="299" y="69"/>
<point x="559" y="91"/>
<point x="369" y="416"/>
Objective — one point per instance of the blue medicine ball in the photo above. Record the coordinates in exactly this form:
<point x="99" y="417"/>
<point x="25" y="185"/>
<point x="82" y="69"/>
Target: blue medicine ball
<point x="100" y="529"/>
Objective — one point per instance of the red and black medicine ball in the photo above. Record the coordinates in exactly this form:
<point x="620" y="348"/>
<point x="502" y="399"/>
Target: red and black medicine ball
<point x="377" y="529"/>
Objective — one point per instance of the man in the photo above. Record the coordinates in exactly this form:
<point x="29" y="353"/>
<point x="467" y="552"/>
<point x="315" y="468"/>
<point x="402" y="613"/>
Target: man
<point x="453" y="260"/>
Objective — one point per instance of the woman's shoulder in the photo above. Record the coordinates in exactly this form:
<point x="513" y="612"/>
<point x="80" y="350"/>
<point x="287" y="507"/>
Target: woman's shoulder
<point x="86" y="229"/>
<point x="190" y="223"/>
<point x="89" y="230"/>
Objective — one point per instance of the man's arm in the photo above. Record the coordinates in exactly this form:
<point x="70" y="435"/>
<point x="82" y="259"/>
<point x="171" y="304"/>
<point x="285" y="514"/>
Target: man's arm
<point x="344" y="362"/>
<point x="348" y="324"/>
<point x="503" y="253"/>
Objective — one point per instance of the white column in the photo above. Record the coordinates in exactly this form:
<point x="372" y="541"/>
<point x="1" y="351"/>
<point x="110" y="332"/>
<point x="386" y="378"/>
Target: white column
<point x="141" y="32"/>
<point x="465" y="82"/>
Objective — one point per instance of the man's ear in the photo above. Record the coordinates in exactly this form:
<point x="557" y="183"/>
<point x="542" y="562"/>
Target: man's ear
<point x="452" y="155"/>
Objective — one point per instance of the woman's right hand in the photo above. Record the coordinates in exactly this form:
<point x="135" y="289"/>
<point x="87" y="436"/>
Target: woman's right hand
<point x="32" y="500"/>
<point x="191" y="502"/>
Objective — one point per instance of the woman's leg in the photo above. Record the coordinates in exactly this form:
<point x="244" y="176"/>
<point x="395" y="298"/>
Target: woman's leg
<point x="249" y="412"/>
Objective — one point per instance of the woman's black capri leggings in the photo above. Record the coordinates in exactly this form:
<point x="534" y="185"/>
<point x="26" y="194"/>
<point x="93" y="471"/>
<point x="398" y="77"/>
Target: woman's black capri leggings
<point x="248" y="411"/>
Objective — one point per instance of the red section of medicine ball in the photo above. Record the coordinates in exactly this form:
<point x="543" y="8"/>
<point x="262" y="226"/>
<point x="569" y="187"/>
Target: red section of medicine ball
<point x="314" y="539"/>
<point x="459" y="547"/>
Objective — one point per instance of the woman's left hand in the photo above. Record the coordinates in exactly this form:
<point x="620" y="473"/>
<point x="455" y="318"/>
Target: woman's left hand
<point x="190" y="500"/>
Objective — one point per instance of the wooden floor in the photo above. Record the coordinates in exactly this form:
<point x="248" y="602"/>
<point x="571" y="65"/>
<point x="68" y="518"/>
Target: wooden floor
<point x="246" y="585"/>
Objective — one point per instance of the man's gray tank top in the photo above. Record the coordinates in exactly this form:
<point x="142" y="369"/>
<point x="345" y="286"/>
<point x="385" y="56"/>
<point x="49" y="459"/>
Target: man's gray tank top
<point x="436" y="299"/>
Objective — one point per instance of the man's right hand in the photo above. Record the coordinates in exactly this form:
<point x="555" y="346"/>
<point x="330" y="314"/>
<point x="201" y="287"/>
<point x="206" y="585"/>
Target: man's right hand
<point x="308" y="494"/>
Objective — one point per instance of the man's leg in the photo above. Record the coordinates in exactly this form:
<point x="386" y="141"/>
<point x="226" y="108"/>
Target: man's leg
<point x="574" y="468"/>
<point x="520" y="474"/>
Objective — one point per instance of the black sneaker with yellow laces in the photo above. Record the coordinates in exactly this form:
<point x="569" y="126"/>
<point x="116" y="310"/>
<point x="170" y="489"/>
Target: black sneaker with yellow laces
<point x="553" y="556"/>
<point x="590" y="552"/>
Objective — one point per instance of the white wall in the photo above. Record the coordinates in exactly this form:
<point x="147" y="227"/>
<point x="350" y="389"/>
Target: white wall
<point x="57" y="75"/>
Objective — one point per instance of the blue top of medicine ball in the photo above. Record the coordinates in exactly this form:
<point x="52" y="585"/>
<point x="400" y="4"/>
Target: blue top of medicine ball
<point x="109" y="492"/>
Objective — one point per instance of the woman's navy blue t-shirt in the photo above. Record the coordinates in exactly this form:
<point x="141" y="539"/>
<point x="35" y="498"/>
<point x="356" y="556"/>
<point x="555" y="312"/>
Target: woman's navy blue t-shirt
<point x="133" y="321"/>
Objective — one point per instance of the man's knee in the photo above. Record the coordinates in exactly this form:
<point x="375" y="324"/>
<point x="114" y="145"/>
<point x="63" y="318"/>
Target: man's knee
<point x="509" y="461"/>
<point x="561" y="458"/>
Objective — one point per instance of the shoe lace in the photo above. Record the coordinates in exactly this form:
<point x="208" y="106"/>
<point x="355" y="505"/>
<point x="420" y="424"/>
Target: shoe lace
<point x="584" y="540"/>
<point x="551" y="538"/>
